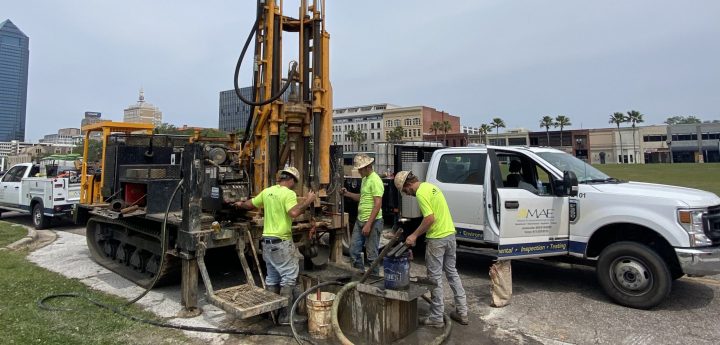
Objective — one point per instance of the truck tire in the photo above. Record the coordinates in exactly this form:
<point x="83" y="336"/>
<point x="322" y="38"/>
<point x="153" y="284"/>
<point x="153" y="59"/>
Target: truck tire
<point x="40" y="220"/>
<point x="633" y="275"/>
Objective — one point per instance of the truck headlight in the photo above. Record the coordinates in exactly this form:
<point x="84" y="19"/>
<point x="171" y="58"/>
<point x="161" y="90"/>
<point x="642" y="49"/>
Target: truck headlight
<point x="692" y="222"/>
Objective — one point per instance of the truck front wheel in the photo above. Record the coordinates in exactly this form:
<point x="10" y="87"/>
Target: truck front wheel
<point x="40" y="220"/>
<point x="633" y="275"/>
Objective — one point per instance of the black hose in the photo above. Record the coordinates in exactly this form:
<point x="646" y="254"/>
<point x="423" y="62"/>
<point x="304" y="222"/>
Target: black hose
<point x="302" y="296"/>
<point x="163" y="246"/>
<point x="41" y="304"/>
<point x="239" y="63"/>
<point x="252" y="103"/>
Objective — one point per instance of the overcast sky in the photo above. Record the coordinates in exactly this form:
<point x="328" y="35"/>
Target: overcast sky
<point x="517" y="60"/>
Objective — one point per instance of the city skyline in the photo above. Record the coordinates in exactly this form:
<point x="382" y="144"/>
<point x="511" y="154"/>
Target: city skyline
<point x="518" y="61"/>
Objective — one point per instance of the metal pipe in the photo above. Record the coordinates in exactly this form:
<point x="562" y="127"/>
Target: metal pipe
<point x="381" y="255"/>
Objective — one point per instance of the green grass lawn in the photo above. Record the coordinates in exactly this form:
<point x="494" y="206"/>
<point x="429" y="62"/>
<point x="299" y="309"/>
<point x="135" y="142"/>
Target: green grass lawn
<point x="21" y="321"/>
<point x="700" y="176"/>
<point x="10" y="233"/>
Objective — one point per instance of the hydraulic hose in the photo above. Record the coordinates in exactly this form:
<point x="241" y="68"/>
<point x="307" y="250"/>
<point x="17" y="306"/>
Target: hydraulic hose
<point x="41" y="304"/>
<point x="302" y="297"/>
<point x="237" y="73"/>
<point x="252" y="103"/>
<point x="163" y="246"/>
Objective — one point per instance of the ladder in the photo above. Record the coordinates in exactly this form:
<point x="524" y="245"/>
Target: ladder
<point x="245" y="300"/>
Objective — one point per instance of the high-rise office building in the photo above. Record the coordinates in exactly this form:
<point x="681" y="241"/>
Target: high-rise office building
<point x="233" y="112"/>
<point x="14" y="55"/>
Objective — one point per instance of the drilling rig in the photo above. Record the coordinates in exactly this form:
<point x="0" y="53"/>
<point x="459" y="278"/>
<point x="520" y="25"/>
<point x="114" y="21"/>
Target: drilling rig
<point x="156" y="204"/>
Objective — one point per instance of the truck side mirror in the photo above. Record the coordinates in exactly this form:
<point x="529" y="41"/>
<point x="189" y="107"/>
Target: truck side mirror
<point x="570" y="183"/>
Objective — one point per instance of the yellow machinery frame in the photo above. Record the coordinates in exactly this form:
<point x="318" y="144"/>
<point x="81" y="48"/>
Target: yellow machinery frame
<point x="91" y="190"/>
<point x="307" y="112"/>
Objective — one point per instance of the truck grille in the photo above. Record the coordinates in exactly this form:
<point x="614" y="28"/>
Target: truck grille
<point x="711" y="223"/>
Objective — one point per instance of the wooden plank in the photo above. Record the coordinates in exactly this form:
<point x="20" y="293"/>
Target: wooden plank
<point x="189" y="284"/>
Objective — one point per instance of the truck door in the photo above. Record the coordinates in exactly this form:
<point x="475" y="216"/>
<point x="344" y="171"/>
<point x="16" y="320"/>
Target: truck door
<point x="530" y="220"/>
<point x="460" y="177"/>
<point x="11" y="185"/>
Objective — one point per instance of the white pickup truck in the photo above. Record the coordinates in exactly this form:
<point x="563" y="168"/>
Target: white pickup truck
<point x="43" y="197"/>
<point x="640" y="236"/>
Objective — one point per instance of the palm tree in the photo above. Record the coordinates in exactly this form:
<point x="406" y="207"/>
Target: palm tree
<point x="562" y="121"/>
<point x="435" y="127"/>
<point x="617" y="118"/>
<point x="360" y="137"/>
<point x="547" y="122"/>
<point x="445" y="126"/>
<point x="356" y="136"/>
<point x="351" y="135"/>
<point x="497" y="123"/>
<point x="484" y="129"/>
<point x="634" y="116"/>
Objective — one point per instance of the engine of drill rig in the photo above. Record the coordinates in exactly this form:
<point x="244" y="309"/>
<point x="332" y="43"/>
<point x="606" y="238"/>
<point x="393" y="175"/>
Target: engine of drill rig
<point x="225" y="181"/>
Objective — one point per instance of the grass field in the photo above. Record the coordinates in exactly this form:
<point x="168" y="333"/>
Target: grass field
<point x="22" y="322"/>
<point x="10" y="233"/>
<point x="700" y="176"/>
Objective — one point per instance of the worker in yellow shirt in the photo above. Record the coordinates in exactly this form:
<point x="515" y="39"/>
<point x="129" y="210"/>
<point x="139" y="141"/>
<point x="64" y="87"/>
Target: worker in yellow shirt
<point x="280" y="206"/>
<point x="366" y="232"/>
<point x="440" y="252"/>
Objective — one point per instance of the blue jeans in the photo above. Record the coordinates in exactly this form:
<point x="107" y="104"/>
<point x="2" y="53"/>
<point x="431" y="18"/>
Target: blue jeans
<point x="281" y="263"/>
<point x="440" y="256"/>
<point x="372" y="242"/>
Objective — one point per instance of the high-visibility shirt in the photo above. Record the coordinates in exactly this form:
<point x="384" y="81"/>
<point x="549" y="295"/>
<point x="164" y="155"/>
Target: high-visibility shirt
<point x="432" y="201"/>
<point x="276" y="201"/>
<point x="371" y="187"/>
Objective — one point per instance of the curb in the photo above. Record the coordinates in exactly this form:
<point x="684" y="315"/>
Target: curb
<point x="25" y="241"/>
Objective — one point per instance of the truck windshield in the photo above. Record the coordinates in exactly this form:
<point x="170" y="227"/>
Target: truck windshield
<point x="585" y="172"/>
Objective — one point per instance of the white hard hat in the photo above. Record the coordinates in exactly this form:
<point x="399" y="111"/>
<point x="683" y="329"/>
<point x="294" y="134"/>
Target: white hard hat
<point x="292" y="171"/>
<point x="362" y="160"/>
<point x="400" y="179"/>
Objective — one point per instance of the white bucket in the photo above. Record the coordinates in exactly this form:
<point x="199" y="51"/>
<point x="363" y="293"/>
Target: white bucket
<point x="319" y="314"/>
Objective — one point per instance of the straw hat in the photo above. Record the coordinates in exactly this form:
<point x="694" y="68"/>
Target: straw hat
<point x="292" y="171"/>
<point x="362" y="160"/>
<point x="400" y="179"/>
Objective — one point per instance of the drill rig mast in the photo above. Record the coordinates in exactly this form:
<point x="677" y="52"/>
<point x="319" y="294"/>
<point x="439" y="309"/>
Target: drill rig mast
<point x="163" y="201"/>
<point x="306" y="112"/>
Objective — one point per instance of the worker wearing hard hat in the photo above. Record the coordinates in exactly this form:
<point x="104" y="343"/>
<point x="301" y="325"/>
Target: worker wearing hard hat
<point x="279" y="204"/>
<point x="440" y="252"/>
<point x="366" y="232"/>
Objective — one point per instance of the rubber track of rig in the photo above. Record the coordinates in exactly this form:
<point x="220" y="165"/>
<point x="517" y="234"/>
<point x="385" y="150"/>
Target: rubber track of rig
<point x="169" y="273"/>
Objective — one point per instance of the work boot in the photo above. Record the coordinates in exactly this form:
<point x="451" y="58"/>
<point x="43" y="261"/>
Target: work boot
<point x="461" y="319"/>
<point x="426" y="321"/>
<point x="284" y="318"/>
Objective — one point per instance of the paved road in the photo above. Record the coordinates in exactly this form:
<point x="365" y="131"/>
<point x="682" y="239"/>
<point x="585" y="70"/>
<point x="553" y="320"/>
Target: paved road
<point x="553" y="303"/>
